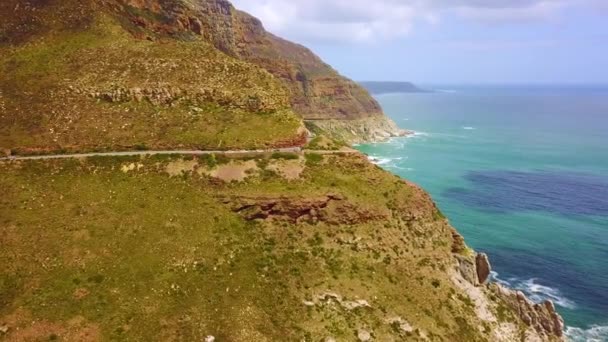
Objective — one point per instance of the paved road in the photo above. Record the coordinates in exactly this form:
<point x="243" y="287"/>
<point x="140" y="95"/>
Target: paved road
<point x="145" y="153"/>
<point x="177" y="152"/>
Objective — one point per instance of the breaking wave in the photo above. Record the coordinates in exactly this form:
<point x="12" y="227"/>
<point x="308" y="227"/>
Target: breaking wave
<point x="389" y="163"/>
<point x="536" y="292"/>
<point x="595" y="333"/>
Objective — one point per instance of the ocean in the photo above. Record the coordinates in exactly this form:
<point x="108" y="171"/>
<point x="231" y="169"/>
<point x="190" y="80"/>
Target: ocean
<point x="522" y="173"/>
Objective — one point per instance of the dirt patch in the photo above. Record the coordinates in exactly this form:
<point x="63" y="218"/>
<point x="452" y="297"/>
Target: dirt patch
<point x="233" y="171"/>
<point x="288" y="169"/>
<point x="8" y="235"/>
<point x="80" y="293"/>
<point x="82" y="235"/>
<point x="179" y="167"/>
<point x="22" y="326"/>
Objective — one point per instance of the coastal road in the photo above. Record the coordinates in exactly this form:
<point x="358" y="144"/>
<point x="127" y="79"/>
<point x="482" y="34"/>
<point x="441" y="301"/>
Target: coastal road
<point x="176" y="152"/>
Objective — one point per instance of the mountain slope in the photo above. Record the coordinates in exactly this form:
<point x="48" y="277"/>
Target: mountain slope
<point x="295" y="248"/>
<point x="317" y="91"/>
<point x="92" y="85"/>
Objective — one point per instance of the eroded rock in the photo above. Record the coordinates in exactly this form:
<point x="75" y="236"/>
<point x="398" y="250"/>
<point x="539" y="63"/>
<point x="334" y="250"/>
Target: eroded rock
<point x="332" y="209"/>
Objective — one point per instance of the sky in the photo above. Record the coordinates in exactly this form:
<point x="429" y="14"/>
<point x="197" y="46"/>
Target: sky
<point x="448" y="41"/>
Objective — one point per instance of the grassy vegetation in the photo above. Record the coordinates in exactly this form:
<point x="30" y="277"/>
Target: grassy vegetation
<point x="285" y="155"/>
<point x="98" y="88"/>
<point x="321" y="142"/>
<point x="140" y="255"/>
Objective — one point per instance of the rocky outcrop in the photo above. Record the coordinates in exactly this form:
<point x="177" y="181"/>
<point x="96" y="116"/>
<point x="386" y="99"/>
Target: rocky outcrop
<point x="483" y="267"/>
<point x="542" y="317"/>
<point x="475" y="269"/>
<point x="377" y="128"/>
<point x="332" y="209"/>
<point x="467" y="268"/>
<point x="164" y="94"/>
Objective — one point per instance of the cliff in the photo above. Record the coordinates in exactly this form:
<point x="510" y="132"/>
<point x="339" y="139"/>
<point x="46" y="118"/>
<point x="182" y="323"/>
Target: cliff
<point x="318" y="245"/>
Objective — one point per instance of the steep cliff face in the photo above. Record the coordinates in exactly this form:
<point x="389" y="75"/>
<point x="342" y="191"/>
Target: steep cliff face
<point x="317" y="91"/>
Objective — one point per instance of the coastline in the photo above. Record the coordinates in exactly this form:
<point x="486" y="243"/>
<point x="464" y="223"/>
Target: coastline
<point x="537" y="292"/>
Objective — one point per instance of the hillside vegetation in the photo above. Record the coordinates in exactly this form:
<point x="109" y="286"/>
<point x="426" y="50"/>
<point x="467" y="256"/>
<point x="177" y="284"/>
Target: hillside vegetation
<point x="91" y="85"/>
<point x="160" y="248"/>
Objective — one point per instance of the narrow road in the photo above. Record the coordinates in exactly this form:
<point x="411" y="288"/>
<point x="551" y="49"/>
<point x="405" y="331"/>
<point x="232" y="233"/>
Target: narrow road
<point x="177" y="152"/>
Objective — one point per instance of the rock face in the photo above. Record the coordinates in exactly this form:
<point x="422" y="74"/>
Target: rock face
<point x="331" y="209"/>
<point x="376" y="128"/>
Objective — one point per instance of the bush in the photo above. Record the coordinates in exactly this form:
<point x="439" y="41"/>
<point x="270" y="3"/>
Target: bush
<point x="313" y="158"/>
<point x="285" y="155"/>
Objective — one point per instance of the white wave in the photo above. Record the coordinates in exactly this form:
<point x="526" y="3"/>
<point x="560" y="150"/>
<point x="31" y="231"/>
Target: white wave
<point x="450" y="91"/>
<point x="595" y="333"/>
<point x="536" y="292"/>
<point x="383" y="160"/>
<point x="415" y="134"/>
<point x="409" y="169"/>
<point x="469" y="128"/>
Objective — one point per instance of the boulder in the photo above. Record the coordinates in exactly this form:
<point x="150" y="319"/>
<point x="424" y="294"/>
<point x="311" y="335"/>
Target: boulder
<point x="364" y="335"/>
<point x="483" y="267"/>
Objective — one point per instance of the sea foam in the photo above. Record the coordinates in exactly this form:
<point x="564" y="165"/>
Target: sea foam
<point x="595" y="333"/>
<point x="536" y="292"/>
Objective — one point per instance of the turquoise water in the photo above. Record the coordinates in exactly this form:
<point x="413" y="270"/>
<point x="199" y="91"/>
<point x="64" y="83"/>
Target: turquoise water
<point x="522" y="172"/>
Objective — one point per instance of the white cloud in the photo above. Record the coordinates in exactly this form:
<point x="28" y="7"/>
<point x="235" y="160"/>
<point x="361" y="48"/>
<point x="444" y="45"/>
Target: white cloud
<point x="365" y="20"/>
<point x="531" y="11"/>
<point x="334" y="20"/>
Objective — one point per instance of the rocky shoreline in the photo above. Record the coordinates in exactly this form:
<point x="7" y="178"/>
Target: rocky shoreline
<point x="543" y="321"/>
<point x="372" y="129"/>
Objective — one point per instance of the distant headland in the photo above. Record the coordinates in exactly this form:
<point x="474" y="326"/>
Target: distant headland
<point x="379" y="87"/>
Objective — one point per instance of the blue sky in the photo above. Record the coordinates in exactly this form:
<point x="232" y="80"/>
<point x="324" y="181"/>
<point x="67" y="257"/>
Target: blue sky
<point x="449" y="41"/>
